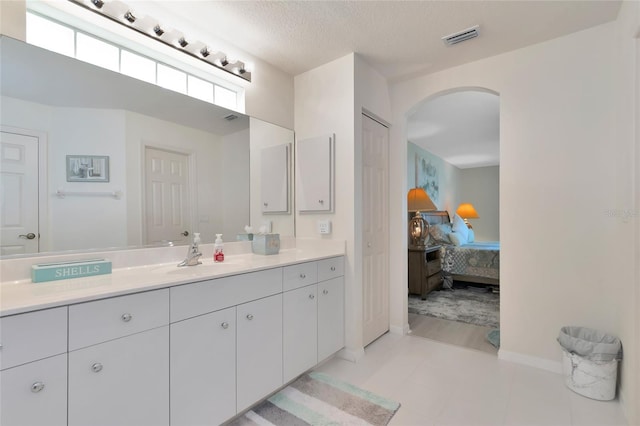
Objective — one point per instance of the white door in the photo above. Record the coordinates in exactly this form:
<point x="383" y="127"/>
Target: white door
<point x="167" y="200"/>
<point x="375" y="229"/>
<point x="19" y="231"/>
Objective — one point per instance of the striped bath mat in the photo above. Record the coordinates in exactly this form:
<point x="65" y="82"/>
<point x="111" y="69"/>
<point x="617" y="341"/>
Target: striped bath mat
<point x="317" y="399"/>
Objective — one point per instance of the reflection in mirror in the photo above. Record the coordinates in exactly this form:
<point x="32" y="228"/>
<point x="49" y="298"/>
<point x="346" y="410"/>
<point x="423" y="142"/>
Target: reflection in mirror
<point x="177" y="164"/>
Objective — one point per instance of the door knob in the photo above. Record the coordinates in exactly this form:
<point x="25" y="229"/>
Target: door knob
<point x="185" y="233"/>
<point x="29" y="236"/>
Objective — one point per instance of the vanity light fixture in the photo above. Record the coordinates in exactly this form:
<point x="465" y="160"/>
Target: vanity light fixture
<point x="119" y="12"/>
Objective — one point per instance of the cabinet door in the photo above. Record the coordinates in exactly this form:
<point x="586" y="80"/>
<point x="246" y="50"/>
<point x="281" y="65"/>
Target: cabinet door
<point x="330" y="317"/>
<point x="35" y="393"/>
<point x="203" y="369"/>
<point x="314" y="168"/>
<point x="274" y="179"/>
<point x="122" y="382"/>
<point x="259" y="349"/>
<point x="300" y="326"/>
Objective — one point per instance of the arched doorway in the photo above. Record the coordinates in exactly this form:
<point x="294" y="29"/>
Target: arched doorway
<point x="453" y="153"/>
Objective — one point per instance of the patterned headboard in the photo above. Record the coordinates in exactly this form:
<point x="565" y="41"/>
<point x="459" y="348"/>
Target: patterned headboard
<point x="436" y="217"/>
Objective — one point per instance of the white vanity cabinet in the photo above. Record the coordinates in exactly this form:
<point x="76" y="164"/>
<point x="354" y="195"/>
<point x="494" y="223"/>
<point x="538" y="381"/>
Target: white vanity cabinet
<point x="122" y="377"/>
<point x="300" y="331"/>
<point x="33" y="360"/>
<point x="330" y="306"/>
<point x="191" y="354"/>
<point x="313" y="315"/>
<point x="259" y="349"/>
<point x="203" y="369"/>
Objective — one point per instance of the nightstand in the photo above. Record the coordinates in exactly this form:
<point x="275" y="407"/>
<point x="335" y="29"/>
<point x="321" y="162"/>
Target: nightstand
<point x="425" y="270"/>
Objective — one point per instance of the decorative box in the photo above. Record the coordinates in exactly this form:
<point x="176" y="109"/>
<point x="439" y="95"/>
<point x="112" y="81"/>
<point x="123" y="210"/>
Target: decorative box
<point x="266" y="244"/>
<point x="65" y="270"/>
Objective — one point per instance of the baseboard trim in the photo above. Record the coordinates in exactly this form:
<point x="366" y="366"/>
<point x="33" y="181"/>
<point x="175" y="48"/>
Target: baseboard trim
<point x="531" y="361"/>
<point x="394" y="329"/>
<point x="353" y="355"/>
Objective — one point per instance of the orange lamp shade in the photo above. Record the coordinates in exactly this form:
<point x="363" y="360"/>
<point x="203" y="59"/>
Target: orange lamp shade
<point x="467" y="211"/>
<point x="418" y="200"/>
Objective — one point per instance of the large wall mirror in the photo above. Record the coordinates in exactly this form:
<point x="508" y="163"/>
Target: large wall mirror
<point x="93" y="159"/>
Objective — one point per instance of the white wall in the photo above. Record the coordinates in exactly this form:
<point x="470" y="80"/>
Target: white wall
<point x="449" y="178"/>
<point x="206" y="151"/>
<point x="236" y="170"/>
<point x="331" y="99"/>
<point x="480" y="186"/>
<point x="264" y="135"/>
<point x="12" y="18"/>
<point x="79" y="221"/>
<point x="565" y="149"/>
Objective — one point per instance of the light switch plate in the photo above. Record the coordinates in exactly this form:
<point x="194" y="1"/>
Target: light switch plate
<point x="324" y="226"/>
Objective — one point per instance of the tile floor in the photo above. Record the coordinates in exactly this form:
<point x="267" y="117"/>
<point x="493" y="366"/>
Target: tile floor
<point x="442" y="384"/>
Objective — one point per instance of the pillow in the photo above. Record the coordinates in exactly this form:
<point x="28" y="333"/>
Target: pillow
<point x="460" y="228"/>
<point x="455" y="239"/>
<point x="440" y="233"/>
<point x="472" y="236"/>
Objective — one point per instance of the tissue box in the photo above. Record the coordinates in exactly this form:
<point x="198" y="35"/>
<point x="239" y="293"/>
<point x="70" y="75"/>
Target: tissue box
<point x="244" y="237"/>
<point x="266" y="244"/>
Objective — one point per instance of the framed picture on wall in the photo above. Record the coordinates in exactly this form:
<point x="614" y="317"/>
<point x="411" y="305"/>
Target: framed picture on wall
<point x="87" y="168"/>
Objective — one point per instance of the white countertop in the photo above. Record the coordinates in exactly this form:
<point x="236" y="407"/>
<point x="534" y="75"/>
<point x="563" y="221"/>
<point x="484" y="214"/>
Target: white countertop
<point x="22" y="295"/>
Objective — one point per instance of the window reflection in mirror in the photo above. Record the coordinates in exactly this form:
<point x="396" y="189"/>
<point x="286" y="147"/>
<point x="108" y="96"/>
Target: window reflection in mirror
<point x="68" y="107"/>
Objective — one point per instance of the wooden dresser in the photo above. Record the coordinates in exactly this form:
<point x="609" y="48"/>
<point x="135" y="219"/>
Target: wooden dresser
<point x="425" y="270"/>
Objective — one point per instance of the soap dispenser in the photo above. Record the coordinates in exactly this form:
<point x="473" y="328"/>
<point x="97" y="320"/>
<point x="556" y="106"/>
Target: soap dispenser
<point x="218" y="245"/>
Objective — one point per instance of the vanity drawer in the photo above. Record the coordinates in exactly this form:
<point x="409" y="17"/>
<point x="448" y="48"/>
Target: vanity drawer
<point x="296" y="276"/>
<point x="330" y="268"/>
<point x="103" y="320"/>
<point x="32" y="336"/>
<point x="191" y="300"/>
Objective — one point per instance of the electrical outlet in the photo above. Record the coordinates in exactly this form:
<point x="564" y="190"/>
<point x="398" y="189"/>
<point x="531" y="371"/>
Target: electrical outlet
<point x="324" y="226"/>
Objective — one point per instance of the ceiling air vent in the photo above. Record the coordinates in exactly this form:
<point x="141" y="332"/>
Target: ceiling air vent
<point x="461" y="36"/>
<point x="231" y="117"/>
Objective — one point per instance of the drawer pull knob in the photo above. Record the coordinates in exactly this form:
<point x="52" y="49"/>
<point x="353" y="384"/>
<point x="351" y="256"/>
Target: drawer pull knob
<point x="224" y="325"/>
<point x="325" y="291"/>
<point x="127" y="317"/>
<point x="249" y="317"/>
<point x="97" y="367"/>
<point x="37" y="387"/>
<point x="303" y="276"/>
<point x="333" y="269"/>
<point x="311" y="296"/>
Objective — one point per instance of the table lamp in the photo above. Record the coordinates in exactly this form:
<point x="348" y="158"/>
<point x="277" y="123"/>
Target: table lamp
<point x="467" y="211"/>
<point x="418" y="200"/>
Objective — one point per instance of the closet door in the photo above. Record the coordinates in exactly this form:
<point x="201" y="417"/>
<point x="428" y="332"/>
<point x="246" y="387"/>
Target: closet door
<point x="375" y="228"/>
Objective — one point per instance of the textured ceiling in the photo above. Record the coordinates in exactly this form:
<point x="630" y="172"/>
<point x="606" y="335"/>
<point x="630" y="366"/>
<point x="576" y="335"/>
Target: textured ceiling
<point x="399" y="38"/>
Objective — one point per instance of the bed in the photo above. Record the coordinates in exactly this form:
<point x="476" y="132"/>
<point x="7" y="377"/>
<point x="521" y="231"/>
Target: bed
<point x="476" y="262"/>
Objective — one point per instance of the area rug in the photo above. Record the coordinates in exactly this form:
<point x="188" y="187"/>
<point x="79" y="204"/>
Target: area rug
<point x="493" y="337"/>
<point x="318" y="399"/>
<point x="464" y="305"/>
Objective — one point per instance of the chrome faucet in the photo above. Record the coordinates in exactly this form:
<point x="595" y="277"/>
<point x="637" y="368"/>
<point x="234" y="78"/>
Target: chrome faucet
<point x="193" y="255"/>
